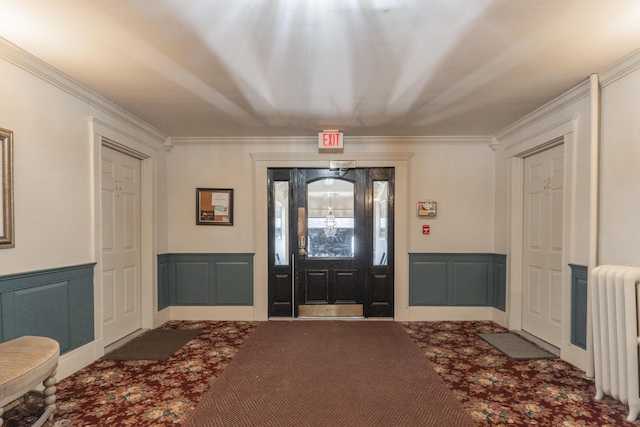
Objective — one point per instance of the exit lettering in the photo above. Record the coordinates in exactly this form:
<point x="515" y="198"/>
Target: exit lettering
<point x="330" y="140"/>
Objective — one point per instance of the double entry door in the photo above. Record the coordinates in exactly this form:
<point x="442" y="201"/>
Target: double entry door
<point x="331" y="242"/>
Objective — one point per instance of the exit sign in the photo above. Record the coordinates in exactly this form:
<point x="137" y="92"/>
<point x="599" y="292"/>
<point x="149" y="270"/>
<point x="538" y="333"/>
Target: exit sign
<point x="330" y="140"/>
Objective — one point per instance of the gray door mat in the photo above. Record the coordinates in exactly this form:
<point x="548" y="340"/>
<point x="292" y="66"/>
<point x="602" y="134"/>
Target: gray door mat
<point x="514" y="346"/>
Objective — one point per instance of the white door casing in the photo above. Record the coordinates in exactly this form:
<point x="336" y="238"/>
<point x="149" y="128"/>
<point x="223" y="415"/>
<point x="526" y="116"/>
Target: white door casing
<point x="121" y="254"/>
<point x="542" y="262"/>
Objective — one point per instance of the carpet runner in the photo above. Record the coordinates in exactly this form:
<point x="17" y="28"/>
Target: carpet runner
<point x="329" y="373"/>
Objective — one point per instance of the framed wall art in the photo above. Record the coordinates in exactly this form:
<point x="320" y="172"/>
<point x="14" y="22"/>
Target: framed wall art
<point x="6" y="189"/>
<point x="214" y="206"/>
<point x="427" y="209"/>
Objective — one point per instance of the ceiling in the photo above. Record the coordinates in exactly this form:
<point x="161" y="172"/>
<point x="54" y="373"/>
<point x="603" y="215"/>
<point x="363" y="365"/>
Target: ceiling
<point x="219" y="68"/>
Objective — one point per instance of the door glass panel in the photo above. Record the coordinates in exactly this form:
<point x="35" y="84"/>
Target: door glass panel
<point x="281" y="218"/>
<point x="330" y="222"/>
<point x="380" y="218"/>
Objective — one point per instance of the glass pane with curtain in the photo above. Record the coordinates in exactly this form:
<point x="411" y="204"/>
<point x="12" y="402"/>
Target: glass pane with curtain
<point x="281" y="218"/>
<point x="330" y="218"/>
<point x="380" y="224"/>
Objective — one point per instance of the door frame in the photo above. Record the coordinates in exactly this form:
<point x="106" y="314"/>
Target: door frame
<point x="104" y="134"/>
<point x="560" y="133"/>
<point x="264" y="161"/>
<point x="365" y="275"/>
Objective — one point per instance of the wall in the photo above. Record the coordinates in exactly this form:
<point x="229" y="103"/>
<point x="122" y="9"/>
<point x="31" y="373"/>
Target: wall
<point x="459" y="176"/>
<point x="620" y="163"/>
<point x="55" y="177"/>
<point x="457" y="173"/>
<point x="566" y="120"/>
<point x="568" y="117"/>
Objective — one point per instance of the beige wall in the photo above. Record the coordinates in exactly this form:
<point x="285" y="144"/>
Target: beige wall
<point x="56" y="180"/>
<point x="620" y="170"/>
<point x="457" y="173"/>
<point x="54" y="163"/>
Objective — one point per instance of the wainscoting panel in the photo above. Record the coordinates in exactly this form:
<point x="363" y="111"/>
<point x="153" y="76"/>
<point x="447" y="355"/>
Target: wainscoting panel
<point x="163" y="283"/>
<point x="57" y="303"/>
<point x="205" y="280"/>
<point x="471" y="283"/>
<point x="234" y="283"/>
<point x="451" y="279"/>
<point x="579" y="275"/>
<point x="428" y="281"/>
<point x="192" y="282"/>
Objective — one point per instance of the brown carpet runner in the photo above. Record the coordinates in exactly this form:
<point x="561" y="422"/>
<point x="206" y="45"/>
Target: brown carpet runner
<point x="329" y="373"/>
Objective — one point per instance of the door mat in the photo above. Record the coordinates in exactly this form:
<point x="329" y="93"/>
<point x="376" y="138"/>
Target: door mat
<point x="514" y="346"/>
<point x="156" y="344"/>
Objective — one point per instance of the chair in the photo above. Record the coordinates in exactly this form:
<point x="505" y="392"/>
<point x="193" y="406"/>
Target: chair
<point x="25" y="362"/>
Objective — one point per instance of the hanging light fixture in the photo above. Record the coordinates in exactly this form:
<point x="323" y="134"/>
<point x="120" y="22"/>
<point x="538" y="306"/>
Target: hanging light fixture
<point x="330" y="222"/>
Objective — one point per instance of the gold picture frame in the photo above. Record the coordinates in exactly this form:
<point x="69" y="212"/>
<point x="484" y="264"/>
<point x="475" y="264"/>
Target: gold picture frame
<point x="6" y="199"/>
<point x="214" y="206"/>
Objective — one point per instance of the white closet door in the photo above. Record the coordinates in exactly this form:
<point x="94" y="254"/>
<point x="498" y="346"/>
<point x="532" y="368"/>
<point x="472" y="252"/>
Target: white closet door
<point x="542" y="251"/>
<point x="121" y="259"/>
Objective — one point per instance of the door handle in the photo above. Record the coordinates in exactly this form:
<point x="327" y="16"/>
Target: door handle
<point x="302" y="232"/>
<point x="302" y="245"/>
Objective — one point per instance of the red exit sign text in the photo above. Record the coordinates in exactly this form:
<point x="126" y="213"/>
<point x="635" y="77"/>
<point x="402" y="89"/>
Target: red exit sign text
<point x="330" y="140"/>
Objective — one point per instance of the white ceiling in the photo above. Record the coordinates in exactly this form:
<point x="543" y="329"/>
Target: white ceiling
<point x="208" y="68"/>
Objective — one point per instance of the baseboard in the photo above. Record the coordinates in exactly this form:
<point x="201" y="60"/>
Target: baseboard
<point x="162" y="317"/>
<point x="75" y="360"/>
<point x="443" y="313"/>
<point x="234" y="313"/>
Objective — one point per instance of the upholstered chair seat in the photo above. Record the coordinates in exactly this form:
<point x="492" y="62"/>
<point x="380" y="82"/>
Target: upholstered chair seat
<point x="25" y="362"/>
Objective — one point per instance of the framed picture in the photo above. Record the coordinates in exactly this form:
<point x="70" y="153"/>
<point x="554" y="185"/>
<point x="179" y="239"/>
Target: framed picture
<point x="214" y="206"/>
<point x="427" y="209"/>
<point x="6" y="189"/>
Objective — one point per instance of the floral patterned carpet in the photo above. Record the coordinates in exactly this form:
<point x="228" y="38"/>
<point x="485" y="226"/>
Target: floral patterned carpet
<point x="496" y="390"/>
<point x="144" y="393"/>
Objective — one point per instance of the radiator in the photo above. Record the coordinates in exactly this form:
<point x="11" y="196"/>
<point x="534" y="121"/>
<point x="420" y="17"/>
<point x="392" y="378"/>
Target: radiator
<point x="615" y="308"/>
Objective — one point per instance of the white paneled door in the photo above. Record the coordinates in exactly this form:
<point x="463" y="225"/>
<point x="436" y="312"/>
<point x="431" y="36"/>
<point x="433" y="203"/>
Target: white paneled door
<point x="121" y="256"/>
<point x="543" y="244"/>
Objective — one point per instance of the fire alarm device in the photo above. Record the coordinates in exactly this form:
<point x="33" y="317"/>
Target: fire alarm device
<point x="426" y="229"/>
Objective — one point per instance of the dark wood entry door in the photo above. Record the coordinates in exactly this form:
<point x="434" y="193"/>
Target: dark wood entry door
<point x="330" y="267"/>
<point x="331" y="242"/>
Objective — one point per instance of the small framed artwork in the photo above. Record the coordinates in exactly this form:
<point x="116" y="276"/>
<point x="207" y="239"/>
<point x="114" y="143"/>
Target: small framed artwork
<point x="427" y="209"/>
<point x="214" y="206"/>
<point x="6" y="189"/>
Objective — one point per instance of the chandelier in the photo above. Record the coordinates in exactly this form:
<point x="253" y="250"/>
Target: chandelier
<point x="330" y="222"/>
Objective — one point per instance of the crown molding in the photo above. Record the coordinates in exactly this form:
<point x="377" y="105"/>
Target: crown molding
<point x="620" y="69"/>
<point x="572" y="96"/>
<point x="362" y="157"/>
<point x="488" y="140"/>
<point x="38" y="68"/>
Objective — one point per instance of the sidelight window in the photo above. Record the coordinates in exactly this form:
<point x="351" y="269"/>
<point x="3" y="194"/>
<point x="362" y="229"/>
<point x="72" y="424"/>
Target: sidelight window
<point x="281" y="218"/>
<point x="380" y="222"/>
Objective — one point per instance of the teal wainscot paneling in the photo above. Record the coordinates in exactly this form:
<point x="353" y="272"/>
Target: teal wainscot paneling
<point x="205" y="279"/>
<point x="454" y="279"/>
<point x="163" y="282"/>
<point x="56" y="303"/>
<point x="579" y="275"/>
